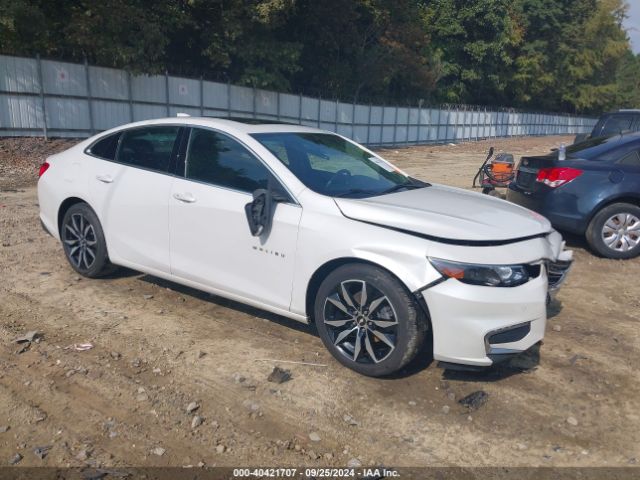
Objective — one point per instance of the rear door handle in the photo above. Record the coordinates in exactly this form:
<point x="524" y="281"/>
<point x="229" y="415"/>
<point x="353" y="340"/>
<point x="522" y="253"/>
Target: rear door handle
<point x="184" y="197"/>
<point x="104" y="178"/>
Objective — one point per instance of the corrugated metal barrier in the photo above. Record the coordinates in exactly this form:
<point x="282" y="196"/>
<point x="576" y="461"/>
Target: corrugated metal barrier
<point x="61" y="99"/>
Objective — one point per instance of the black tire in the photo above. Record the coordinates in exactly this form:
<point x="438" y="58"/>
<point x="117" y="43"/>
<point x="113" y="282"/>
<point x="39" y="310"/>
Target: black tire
<point x="604" y="219"/>
<point x="83" y="242"/>
<point x="395" y="317"/>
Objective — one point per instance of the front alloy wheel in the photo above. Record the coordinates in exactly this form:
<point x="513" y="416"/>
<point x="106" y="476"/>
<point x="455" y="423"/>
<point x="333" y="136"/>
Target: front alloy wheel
<point x="368" y="320"/>
<point x="361" y="322"/>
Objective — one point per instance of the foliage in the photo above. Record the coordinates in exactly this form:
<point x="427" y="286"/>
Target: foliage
<point x="567" y="55"/>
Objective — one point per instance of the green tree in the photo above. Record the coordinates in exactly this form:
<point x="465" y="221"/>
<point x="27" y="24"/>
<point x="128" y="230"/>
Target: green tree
<point x="237" y="40"/>
<point x="474" y="40"/>
<point x="591" y="55"/>
<point x="569" y="55"/>
<point x="120" y="33"/>
<point x="364" y="49"/>
<point x="628" y="81"/>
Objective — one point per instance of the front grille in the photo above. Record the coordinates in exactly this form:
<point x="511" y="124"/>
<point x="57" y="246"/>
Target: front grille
<point x="556" y="273"/>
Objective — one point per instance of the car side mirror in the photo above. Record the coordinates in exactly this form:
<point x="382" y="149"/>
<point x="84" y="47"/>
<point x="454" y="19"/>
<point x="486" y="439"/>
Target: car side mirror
<point x="258" y="212"/>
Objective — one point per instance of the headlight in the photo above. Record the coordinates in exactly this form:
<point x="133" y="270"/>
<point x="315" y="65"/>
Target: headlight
<point x="487" y="275"/>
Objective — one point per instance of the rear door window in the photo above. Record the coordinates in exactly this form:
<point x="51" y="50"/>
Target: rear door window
<point x="105" y="147"/>
<point x="631" y="159"/>
<point x="150" y="147"/>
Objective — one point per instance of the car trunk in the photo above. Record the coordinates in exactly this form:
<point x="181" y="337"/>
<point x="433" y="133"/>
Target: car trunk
<point x="528" y="171"/>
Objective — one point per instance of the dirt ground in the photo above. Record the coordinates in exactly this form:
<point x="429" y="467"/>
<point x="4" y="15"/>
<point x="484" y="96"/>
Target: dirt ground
<point x="158" y="346"/>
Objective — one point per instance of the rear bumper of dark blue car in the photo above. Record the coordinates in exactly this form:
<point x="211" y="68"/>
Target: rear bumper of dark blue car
<point x="560" y="209"/>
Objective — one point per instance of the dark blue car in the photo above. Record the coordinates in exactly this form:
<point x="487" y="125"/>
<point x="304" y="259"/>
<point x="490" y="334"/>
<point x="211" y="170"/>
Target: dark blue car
<point x="594" y="191"/>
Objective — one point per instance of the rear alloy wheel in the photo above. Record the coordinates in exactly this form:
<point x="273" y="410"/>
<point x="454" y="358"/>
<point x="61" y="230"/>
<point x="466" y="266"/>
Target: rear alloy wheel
<point x="83" y="241"/>
<point x="614" y="232"/>
<point x="367" y="320"/>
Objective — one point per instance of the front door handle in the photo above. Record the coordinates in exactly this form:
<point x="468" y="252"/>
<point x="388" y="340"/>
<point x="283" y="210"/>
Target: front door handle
<point x="184" y="197"/>
<point x="104" y="178"/>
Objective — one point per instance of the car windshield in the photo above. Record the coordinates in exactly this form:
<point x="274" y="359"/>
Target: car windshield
<point x="330" y="165"/>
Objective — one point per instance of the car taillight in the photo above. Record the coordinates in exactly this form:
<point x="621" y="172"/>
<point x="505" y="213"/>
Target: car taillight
<point x="557" y="176"/>
<point x="43" y="168"/>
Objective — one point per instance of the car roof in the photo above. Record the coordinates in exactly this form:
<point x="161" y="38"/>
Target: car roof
<point x="233" y="124"/>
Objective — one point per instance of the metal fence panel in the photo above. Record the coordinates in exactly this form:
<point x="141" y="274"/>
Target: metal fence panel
<point x="375" y="135"/>
<point x="377" y="113"/>
<point x="360" y="133"/>
<point x="215" y="113"/>
<point x="388" y="133"/>
<point x="175" y="110"/>
<point x="412" y="134"/>
<point x="109" y="114"/>
<point x="345" y="112"/>
<point x="309" y="110"/>
<point x="289" y="106"/>
<point x="66" y="99"/>
<point x="184" y="91"/>
<point x="266" y="103"/>
<point x="108" y="83"/>
<point x="67" y="113"/>
<point x="467" y="126"/>
<point x="61" y="78"/>
<point x="345" y="130"/>
<point x="400" y="134"/>
<point x="19" y="75"/>
<point x="327" y="111"/>
<point x="389" y="115"/>
<point x="151" y="88"/>
<point x="215" y="95"/>
<point x="241" y="99"/>
<point x="361" y="114"/>
<point x="402" y="117"/>
<point x="21" y="113"/>
<point x="147" y="112"/>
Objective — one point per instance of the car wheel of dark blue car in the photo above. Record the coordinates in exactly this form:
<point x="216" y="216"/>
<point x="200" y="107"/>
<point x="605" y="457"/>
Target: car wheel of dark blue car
<point x="614" y="232"/>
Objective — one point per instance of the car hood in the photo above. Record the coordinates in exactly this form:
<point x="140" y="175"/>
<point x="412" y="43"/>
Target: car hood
<point x="447" y="213"/>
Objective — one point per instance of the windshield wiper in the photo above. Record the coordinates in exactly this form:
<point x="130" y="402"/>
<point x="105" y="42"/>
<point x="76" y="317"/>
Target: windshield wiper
<point x="409" y="186"/>
<point x="355" y="191"/>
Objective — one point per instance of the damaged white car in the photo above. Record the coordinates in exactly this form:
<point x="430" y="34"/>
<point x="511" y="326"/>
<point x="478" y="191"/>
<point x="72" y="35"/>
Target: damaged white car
<point x="312" y="226"/>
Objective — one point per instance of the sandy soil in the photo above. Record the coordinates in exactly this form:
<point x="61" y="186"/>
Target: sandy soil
<point x="159" y="346"/>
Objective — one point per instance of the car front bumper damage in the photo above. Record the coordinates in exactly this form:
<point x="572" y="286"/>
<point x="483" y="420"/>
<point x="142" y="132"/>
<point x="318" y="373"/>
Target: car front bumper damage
<point x="478" y="326"/>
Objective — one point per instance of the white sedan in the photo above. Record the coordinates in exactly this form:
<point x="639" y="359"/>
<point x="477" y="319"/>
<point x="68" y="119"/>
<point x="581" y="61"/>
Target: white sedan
<point x="309" y="225"/>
